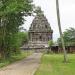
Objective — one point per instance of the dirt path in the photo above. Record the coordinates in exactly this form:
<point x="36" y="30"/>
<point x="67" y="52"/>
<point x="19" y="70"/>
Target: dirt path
<point x="25" y="67"/>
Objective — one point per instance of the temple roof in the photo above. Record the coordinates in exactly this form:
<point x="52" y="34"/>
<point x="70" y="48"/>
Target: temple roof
<point x="40" y="24"/>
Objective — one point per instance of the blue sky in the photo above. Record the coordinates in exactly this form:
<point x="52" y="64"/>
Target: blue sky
<point x="67" y="14"/>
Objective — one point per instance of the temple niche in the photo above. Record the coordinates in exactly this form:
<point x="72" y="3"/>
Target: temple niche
<point x="40" y="32"/>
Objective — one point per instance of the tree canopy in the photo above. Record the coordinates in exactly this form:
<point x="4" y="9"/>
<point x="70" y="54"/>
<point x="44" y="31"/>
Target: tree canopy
<point x="11" y="18"/>
<point x="14" y="6"/>
<point x="69" y="37"/>
<point x="38" y="10"/>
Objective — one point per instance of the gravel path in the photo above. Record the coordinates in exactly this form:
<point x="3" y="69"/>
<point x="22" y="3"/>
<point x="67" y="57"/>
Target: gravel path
<point x="27" y="66"/>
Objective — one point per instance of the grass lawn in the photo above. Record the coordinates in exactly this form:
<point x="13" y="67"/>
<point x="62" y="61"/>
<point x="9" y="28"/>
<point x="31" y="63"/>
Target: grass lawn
<point x="15" y="58"/>
<point x="53" y="65"/>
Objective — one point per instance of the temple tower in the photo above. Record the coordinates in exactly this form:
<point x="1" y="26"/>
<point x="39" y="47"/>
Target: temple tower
<point x="40" y="32"/>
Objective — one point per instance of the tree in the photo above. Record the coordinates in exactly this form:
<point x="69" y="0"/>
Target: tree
<point x="38" y="10"/>
<point x="69" y="37"/>
<point x="60" y="31"/>
<point x="9" y="28"/>
<point x="15" y="6"/>
<point x="18" y="40"/>
<point x="50" y="43"/>
<point x="11" y="17"/>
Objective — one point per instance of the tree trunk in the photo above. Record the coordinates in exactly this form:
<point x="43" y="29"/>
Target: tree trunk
<point x="3" y="34"/>
<point x="60" y="31"/>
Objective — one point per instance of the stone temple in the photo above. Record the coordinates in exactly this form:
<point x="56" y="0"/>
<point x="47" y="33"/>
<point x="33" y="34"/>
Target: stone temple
<point x="40" y="32"/>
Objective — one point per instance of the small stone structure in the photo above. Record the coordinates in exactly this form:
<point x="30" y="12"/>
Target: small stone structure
<point x="40" y="32"/>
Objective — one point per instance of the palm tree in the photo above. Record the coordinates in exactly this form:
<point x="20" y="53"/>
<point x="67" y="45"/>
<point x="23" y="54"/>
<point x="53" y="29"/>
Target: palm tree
<point x="60" y="30"/>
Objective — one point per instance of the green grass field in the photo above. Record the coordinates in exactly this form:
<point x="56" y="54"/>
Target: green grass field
<point x="53" y="65"/>
<point x="15" y="58"/>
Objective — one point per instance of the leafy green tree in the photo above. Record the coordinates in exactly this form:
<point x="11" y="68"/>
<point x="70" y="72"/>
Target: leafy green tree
<point x="9" y="28"/>
<point x="11" y="17"/>
<point x="69" y="37"/>
<point x="19" y="40"/>
<point x="50" y="43"/>
<point x="15" y="6"/>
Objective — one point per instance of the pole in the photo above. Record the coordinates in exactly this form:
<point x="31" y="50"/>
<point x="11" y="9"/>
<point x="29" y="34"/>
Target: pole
<point x="60" y="30"/>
